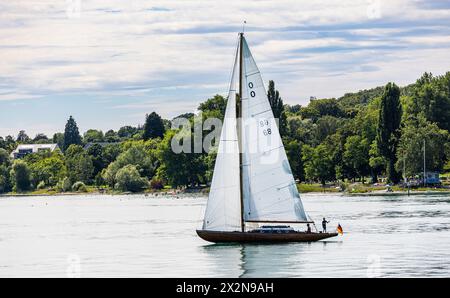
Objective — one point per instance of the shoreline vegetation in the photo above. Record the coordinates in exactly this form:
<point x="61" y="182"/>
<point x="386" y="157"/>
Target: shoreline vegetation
<point x="356" y="189"/>
<point x="358" y="143"/>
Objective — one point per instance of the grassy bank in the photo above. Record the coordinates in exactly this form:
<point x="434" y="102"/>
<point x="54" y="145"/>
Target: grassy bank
<point x="93" y="190"/>
<point x="316" y="187"/>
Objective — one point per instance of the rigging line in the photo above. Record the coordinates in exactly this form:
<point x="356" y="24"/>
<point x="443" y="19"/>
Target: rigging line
<point x="251" y="74"/>
<point x="272" y="186"/>
<point x="273" y="149"/>
<point x="292" y="183"/>
<point x="253" y="115"/>
<point x="233" y="68"/>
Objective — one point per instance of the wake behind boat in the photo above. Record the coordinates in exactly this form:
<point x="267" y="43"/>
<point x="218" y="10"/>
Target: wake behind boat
<point x="252" y="183"/>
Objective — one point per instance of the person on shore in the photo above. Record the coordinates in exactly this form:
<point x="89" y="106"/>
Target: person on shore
<point x="324" y="225"/>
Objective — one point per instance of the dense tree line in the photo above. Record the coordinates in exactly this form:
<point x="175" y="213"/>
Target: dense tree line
<point x="360" y="136"/>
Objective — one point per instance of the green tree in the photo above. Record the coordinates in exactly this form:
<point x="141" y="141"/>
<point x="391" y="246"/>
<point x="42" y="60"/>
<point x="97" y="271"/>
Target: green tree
<point x="318" y="164"/>
<point x="140" y="154"/>
<point x="98" y="160"/>
<point x="388" y="132"/>
<point x="93" y="136"/>
<point x="79" y="164"/>
<point x="111" y="136"/>
<point x="415" y="132"/>
<point x="22" y="137"/>
<point x="20" y="176"/>
<point x="71" y="134"/>
<point x="213" y="107"/>
<point x="276" y="103"/>
<point x="4" y="157"/>
<point x="5" y="185"/>
<point x="41" y="138"/>
<point x="154" y="127"/>
<point x="431" y="97"/>
<point x="128" y="179"/>
<point x="181" y="169"/>
<point x="356" y="155"/>
<point x="47" y="167"/>
<point x="5" y="163"/>
<point x="376" y="161"/>
<point x="127" y="132"/>
<point x="322" y="107"/>
<point x="302" y="130"/>
<point x="58" y="138"/>
<point x="9" y="144"/>
<point x="294" y="154"/>
<point x="324" y="127"/>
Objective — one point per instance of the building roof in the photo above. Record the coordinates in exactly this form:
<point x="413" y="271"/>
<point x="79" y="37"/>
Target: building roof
<point x="34" y="147"/>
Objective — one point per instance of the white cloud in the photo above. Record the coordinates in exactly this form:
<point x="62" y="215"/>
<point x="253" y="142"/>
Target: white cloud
<point x="120" y="48"/>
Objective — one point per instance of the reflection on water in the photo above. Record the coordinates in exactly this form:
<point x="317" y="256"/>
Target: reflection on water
<point x="128" y="236"/>
<point x="263" y="260"/>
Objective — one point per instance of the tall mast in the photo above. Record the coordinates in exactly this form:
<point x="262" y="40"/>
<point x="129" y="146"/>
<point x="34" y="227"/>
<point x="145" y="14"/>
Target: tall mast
<point x="239" y="127"/>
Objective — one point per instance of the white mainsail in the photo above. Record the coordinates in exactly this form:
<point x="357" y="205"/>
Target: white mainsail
<point x="223" y="210"/>
<point x="269" y="189"/>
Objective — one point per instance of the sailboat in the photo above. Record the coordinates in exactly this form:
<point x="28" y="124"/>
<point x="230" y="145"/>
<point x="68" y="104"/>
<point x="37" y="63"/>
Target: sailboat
<point x="253" y="196"/>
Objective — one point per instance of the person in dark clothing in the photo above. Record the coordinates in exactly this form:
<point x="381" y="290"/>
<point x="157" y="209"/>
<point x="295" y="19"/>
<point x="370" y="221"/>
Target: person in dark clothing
<point x="324" y="225"/>
<point x="308" y="229"/>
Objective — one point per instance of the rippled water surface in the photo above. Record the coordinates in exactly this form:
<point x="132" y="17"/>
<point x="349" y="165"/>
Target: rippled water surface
<point x="137" y="236"/>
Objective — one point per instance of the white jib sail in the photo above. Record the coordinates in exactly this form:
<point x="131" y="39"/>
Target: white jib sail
<point x="270" y="192"/>
<point x="223" y="210"/>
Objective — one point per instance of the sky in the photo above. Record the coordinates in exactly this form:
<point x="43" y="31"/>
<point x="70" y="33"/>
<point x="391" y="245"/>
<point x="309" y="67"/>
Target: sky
<point x="108" y="63"/>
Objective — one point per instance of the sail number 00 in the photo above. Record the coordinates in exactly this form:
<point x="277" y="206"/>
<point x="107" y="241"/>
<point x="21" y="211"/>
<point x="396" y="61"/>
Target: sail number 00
<point x="252" y="93"/>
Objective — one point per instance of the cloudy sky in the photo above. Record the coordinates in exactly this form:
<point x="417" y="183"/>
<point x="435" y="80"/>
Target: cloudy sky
<point x="108" y="63"/>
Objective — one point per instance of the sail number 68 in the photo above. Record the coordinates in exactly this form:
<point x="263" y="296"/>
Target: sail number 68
<point x="265" y="124"/>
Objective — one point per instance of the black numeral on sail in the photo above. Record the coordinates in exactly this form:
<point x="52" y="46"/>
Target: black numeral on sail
<point x="263" y="123"/>
<point x="252" y="93"/>
<point x="267" y="131"/>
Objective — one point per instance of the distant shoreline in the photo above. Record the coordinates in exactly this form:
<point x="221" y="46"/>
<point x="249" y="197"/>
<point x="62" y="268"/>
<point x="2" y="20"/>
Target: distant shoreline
<point x="202" y="193"/>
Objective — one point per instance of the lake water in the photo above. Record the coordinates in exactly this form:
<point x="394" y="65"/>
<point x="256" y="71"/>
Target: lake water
<point x="138" y="236"/>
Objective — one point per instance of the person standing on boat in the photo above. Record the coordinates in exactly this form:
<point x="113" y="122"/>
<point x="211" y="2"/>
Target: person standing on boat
<point x="324" y="225"/>
<point x="308" y="229"/>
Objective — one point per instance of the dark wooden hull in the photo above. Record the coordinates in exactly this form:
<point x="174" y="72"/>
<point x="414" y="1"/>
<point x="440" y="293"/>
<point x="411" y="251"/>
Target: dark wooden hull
<point x="222" y="237"/>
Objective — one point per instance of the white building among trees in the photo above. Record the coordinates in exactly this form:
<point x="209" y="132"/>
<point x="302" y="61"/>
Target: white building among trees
<point x="25" y="149"/>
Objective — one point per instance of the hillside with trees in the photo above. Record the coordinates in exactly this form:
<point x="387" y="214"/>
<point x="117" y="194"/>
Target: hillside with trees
<point x="362" y="136"/>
